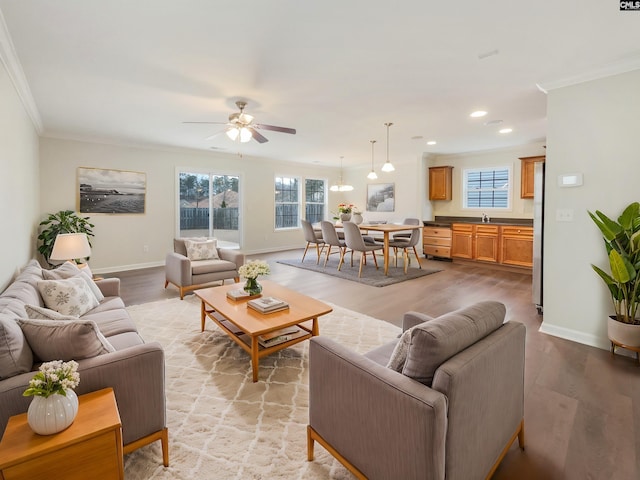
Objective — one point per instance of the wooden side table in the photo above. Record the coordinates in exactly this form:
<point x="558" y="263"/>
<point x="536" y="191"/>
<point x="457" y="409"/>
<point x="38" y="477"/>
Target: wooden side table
<point x="90" y="448"/>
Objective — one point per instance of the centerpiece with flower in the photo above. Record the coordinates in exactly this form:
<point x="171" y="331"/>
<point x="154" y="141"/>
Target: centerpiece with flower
<point x="55" y="404"/>
<point x="251" y="270"/>
<point x="344" y="211"/>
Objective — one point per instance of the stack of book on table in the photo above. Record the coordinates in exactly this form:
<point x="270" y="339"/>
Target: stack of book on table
<point x="239" y="294"/>
<point x="267" y="304"/>
<point x="278" y="337"/>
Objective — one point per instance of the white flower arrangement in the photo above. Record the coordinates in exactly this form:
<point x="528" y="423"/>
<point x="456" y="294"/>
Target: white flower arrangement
<point x="254" y="268"/>
<point x="54" y="377"/>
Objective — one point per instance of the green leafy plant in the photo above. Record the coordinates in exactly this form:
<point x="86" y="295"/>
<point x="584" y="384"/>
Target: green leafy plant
<point x="54" y="378"/>
<point x="622" y="241"/>
<point x="65" y="221"/>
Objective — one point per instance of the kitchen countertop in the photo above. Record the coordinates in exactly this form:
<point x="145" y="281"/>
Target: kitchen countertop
<point x="447" y="221"/>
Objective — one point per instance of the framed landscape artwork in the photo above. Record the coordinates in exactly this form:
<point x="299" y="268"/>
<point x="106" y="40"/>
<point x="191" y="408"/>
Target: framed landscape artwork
<point x="111" y="191"/>
<point x="381" y="197"/>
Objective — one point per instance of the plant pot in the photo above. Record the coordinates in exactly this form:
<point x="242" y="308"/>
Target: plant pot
<point x="345" y="217"/>
<point x="49" y="415"/>
<point x="624" y="334"/>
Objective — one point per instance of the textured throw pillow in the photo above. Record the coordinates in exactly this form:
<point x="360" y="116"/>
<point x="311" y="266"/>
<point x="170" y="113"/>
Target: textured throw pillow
<point x="71" y="270"/>
<point x="399" y="354"/>
<point x="201" y="250"/>
<point x="36" y="312"/>
<point x="435" y="341"/>
<point x="15" y="355"/>
<point x="69" y="297"/>
<point x="64" y="340"/>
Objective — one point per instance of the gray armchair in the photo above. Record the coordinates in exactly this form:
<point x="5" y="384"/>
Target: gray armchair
<point x="190" y="275"/>
<point x="450" y="407"/>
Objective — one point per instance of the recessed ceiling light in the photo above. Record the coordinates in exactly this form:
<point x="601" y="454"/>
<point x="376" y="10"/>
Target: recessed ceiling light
<point x="478" y="113"/>
<point x="431" y="142"/>
<point x="506" y="130"/>
<point x="493" y="122"/>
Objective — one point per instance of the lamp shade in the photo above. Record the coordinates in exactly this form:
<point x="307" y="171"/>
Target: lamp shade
<point x="69" y="246"/>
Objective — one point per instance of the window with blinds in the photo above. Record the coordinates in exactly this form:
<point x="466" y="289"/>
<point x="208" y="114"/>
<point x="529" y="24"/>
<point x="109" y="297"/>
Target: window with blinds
<point x="287" y="202"/>
<point x="487" y="188"/>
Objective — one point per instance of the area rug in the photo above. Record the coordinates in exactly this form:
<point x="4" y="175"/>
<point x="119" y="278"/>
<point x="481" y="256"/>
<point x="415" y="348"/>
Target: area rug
<point x="221" y="424"/>
<point x="370" y="275"/>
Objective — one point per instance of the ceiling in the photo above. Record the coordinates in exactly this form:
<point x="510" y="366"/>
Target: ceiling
<point x="133" y="71"/>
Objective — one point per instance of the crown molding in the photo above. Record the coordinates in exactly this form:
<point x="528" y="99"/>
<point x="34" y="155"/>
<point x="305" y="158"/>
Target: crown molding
<point x="9" y="58"/>
<point x="607" y="70"/>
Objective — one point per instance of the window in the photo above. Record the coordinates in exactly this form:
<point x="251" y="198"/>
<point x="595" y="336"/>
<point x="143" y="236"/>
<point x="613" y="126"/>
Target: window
<point x="487" y="188"/>
<point x="315" y="200"/>
<point x="287" y="202"/>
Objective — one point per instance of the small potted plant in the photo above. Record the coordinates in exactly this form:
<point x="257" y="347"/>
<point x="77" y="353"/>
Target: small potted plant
<point x="55" y="405"/>
<point x="622" y="243"/>
<point x="344" y="211"/>
<point x="251" y="270"/>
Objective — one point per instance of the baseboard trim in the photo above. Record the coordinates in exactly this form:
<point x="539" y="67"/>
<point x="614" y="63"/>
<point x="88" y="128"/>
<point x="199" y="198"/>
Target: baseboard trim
<point x="124" y="268"/>
<point x="575" y="336"/>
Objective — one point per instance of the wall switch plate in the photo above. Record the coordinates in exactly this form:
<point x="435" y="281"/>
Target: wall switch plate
<point x="564" y="215"/>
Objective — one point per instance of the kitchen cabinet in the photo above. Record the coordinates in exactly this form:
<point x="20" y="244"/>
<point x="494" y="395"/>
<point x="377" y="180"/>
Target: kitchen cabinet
<point x="517" y="246"/>
<point x="462" y="240"/>
<point x="440" y="183"/>
<point x="436" y="241"/>
<point x="527" y="165"/>
<point x="486" y="243"/>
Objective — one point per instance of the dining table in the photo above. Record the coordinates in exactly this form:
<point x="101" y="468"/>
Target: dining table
<point x="386" y="229"/>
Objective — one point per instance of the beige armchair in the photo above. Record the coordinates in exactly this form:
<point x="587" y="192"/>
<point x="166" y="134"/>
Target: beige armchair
<point x="445" y="400"/>
<point x="190" y="275"/>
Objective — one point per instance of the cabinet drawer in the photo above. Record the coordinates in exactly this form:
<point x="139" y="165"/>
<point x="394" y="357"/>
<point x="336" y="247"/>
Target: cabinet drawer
<point x="462" y="227"/>
<point x="437" y="241"/>
<point x="517" y="230"/>
<point x="437" y="251"/>
<point x="436" y="232"/>
<point x="487" y="229"/>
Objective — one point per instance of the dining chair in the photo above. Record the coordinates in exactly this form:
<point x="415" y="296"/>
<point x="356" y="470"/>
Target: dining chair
<point x="330" y="238"/>
<point x="353" y="239"/>
<point x="405" y="244"/>
<point x="407" y="221"/>
<point x="313" y="238"/>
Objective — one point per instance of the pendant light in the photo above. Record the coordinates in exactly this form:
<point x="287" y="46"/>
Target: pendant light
<point x="341" y="187"/>
<point x="372" y="174"/>
<point x="387" y="167"/>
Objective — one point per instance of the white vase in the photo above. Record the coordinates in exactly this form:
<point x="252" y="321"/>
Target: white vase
<point x="357" y="218"/>
<point x="345" y="217"/>
<point x="48" y="415"/>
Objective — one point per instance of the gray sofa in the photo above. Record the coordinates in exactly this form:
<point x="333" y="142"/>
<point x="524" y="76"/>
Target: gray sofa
<point x="445" y="400"/>
<point x="187" y="274"/>
<point x="133" y="368"/>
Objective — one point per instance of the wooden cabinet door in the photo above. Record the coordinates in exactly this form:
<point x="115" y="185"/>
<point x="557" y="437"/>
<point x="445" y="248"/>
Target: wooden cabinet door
<point x="440" y="183"/>
<point x="462" y="241"/>
<point x="526" y="175"/>
<point x="517" y="246"/>
<point x="486" y="244"/>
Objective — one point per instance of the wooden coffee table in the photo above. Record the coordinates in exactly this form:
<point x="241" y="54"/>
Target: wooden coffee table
<point x="243" y="324"/>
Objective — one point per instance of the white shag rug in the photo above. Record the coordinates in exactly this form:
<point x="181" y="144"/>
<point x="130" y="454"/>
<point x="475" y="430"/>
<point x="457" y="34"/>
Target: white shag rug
<point x="221" y="424"/>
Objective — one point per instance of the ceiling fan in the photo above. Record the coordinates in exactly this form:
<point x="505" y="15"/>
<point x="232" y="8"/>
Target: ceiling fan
<point x="241" y="127"/>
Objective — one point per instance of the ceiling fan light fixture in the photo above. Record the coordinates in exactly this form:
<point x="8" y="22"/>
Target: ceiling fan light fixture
<point x="233" y="133"/>
<point x="245" y="135"/>
<point x="388" y="167"/>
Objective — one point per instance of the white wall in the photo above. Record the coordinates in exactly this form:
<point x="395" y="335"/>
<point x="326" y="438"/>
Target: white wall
<point x="119" y="239"/>
<point x="19" y="187"/>
<point x="521" y="207"/>
<point x="593" y="130"/>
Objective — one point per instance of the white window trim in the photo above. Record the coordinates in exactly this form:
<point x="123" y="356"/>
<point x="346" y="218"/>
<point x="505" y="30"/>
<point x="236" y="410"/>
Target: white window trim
<point x="304" y="197"/>
<point x="300" y="203"/>
<point x="463" y="198"/>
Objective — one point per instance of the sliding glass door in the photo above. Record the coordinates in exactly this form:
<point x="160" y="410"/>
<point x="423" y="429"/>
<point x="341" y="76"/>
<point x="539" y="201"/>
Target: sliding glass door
<point x="209" y="206"/>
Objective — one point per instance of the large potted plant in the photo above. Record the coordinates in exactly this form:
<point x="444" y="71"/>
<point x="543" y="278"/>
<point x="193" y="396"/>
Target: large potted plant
<point x="65" y="221"/>
<point x="622" y="242"/>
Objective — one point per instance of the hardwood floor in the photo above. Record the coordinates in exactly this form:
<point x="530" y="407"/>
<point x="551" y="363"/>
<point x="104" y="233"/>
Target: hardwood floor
<point x="582" y="405"/>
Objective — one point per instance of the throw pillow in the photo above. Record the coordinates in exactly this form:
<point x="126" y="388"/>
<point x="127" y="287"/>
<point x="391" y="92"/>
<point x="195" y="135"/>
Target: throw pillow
<point x="399" y="354"/>
<point x="35" y="312"/>
<point x="435" y="341"/>
<point x="64" y="340"/>
<point x="201" y="250"/>
<point x="70" y="270"/>
<point x="15" y="355"/>
<point x="69" y="297"/>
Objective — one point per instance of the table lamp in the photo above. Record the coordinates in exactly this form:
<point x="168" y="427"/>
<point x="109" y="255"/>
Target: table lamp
<point x="70" y="246"/>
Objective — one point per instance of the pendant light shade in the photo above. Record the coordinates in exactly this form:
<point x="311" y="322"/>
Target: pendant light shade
<point x="341" y="187"/>
<point x="244" y="134"/>
<point x="388" y="167"/>
<point x="372" y="174"/>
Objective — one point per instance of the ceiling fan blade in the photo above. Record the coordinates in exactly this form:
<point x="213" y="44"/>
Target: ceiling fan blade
<point x="257" y="136"/>
<point x="276" y="129"/>
<point x="211" y="137"/>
